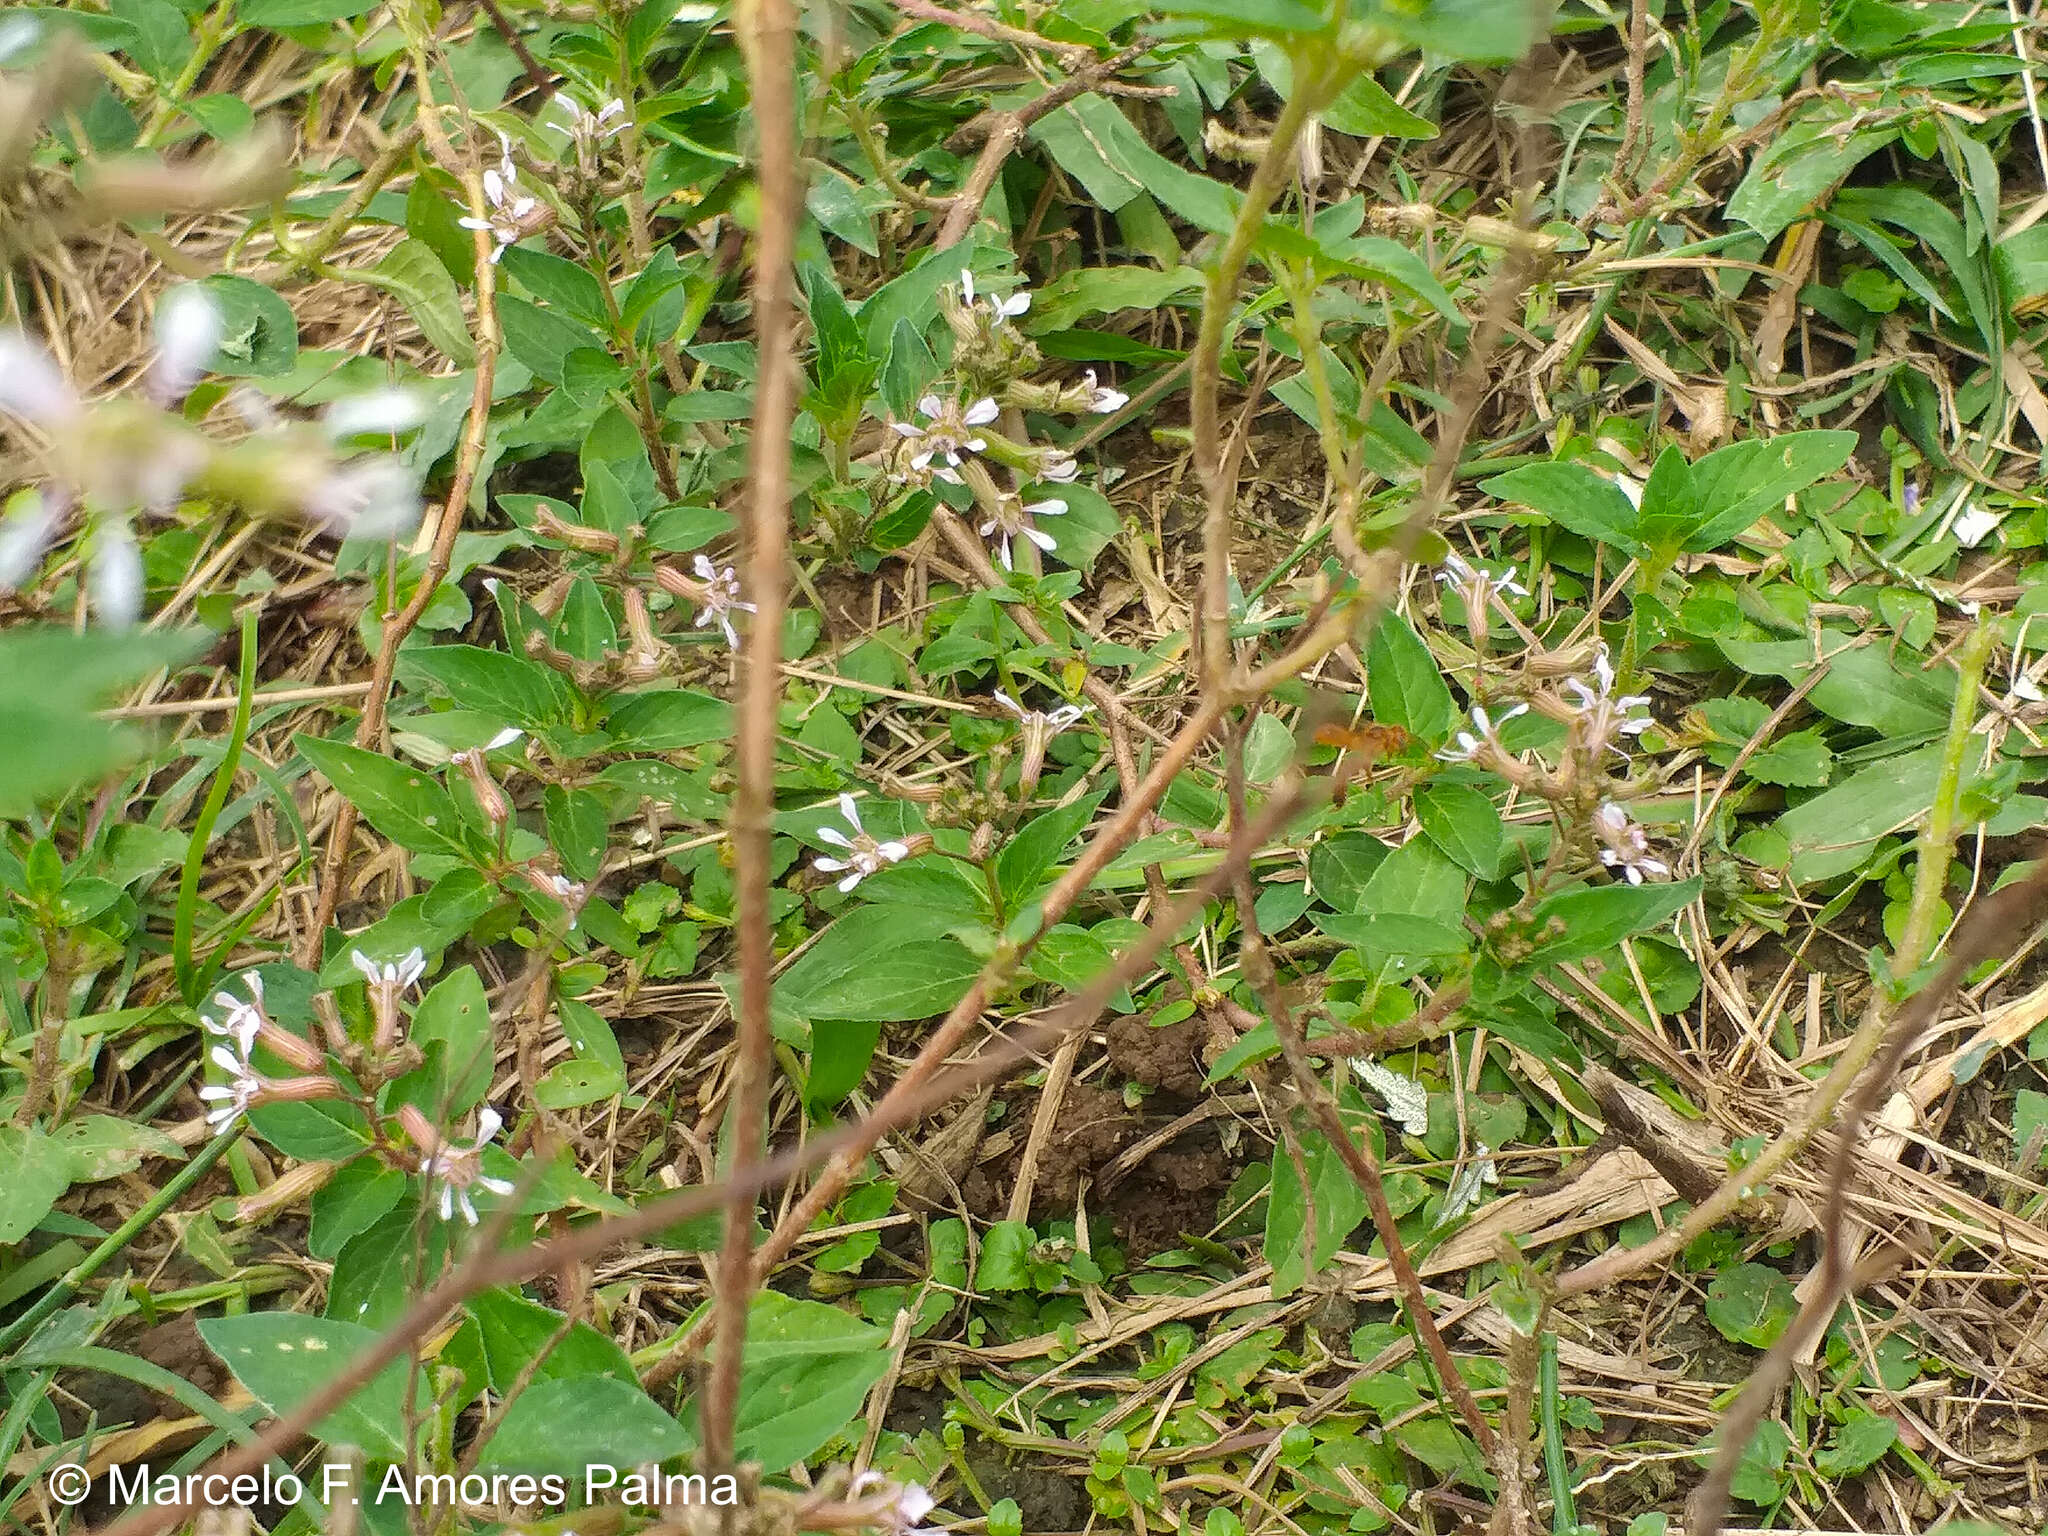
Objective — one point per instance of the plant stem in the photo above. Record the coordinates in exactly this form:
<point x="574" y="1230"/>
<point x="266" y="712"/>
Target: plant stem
<point x="191" y="979"/>
<point x="1938" y="838"/>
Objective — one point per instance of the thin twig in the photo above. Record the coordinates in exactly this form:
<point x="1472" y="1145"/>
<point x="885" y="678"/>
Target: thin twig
<point x="768" y="36"/>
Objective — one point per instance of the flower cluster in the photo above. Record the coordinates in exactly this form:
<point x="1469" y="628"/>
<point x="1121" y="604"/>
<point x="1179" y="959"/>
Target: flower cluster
<point x="1600" y="724"/>
<point x="133" y="455"/>
<point x="240" y="1027"/>
<point x="456" y="1169"/>
<point x="955" y="441"/>
<point x="714" y="589"/>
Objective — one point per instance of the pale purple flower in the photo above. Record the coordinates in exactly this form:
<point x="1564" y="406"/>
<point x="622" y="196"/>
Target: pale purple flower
<point x="721" y="599"/>
<point x="1102" y="400"/>
<point x="459" y="1169"/>
<point x="188" y="326"/>
<point x="235" y="1096"/>
<point x="1009" y="520"/>
<point x="1478" y="583"/>
<point x="587" y="129"/>
<point x="392" y="976"/>
<point x="113" y="573"/>
<point x="1000" y="309"/>
<point x="509" y="207"/>
<point x="1603" y="717"/>
<point x="864" y="855"/>
<point x="1052" y="722"/>
<point x="1625" y="846"/>
<point x="948" y="435"/>
<point x="32" y="386"/>
<point x="386" y="412"/>
<point x="26" y="532"/>
<point x="1482" y="738"/>
<point x="369" y="498"/>
<point x="1058" y="466"/>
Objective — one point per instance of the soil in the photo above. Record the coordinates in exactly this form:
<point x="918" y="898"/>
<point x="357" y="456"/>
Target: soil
<point x="1168" y="1058"/>
<point x="1173" y="1191"/>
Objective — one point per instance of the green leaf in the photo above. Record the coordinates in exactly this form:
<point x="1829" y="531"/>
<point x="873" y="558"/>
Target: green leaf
<point x="283" y="1358"/>
<point x="2030" y="1127"/>
<point x="1573" y="497"/>
<point x="668" y="720"/>
<point x="518" y="1335"/>
<point x="1573" y="924"/>
<point x="563" y="1425"/>
<point x="50" y="681"/>
<point x="358" y="1195"/>
<point x="1393" y="935"/>
<point x="1403" y="684"/>
<point x="405" y="805"/>
<point x="1005" y="1257"/>
<point x="38" y="1173"/>
<point x="1268" y="749"/>
<point x="106" y="1146"/>
<point x="1465" y="824"/>
<point x="1364" y="109"/>
<point x="300" y="13"/>
<point x="1736" y="485"/>
<point x="1860" y="1443"/>
<point x="808" y="1368"/>
<point x="1339" y="1205"/>
<point x="897" y="984"/>
<point x="259" y="338"/>
<point x="1751" y="1304"/>
<point x="1799" y="167"/>
<point x="510" y="689"/>
<point x="542" y="339"/>
<point x="1037" y="845"/>
<point x="1340" y="866"/>
<point x="1835" y="831"/>
<point x="413" y="274"/>
<point x="456" y="1016"/>
<point x="1245" y="18"/>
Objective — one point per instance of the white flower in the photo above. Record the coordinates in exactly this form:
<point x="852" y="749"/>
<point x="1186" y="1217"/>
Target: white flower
<point x="949" y="435"/>
<point x="1602" y="716"/>
<point x="1009" y="519"/>
<point x="721" y="599"/>
<point x="188" y="325"/>
<point x="372" y="498"/>
<point x="1103" y="401"/>
<point x="387" y="412"/>
<point x="1407" y="1101"/>
<point x="240" y="1020"/>
<point x="1485" y="734"/>
<point x="1058" y="466"/>
<point x="458" y="1170"/>
<point x="1053" y="723"/>
<point x="588" y="129"/>
<point x="510" y="207"/>
<point x="113" y="573"/>
<point x="239" y="1092"/>
<point x="1000" y="309"/>
<point x="864" y="856"/>
<point x="1626" y="846"/>
<point x="562" y="888"/>
<point x="912" y="1505"/>
<point x="26" y="534"/>
<point x="396" y="976"/>
<point x="1478" y="582"/>
<point x="32" y="386"/>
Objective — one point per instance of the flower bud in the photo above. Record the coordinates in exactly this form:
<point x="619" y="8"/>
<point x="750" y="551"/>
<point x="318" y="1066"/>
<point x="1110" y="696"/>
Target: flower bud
<point x="284" y="1191"/>
<point x="295" y="1050"/>
<point x="592" y="541"/>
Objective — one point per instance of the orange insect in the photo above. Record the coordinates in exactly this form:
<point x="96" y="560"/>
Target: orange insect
<point x="1370" y="740"/>
<point x="1364" y="745"/>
